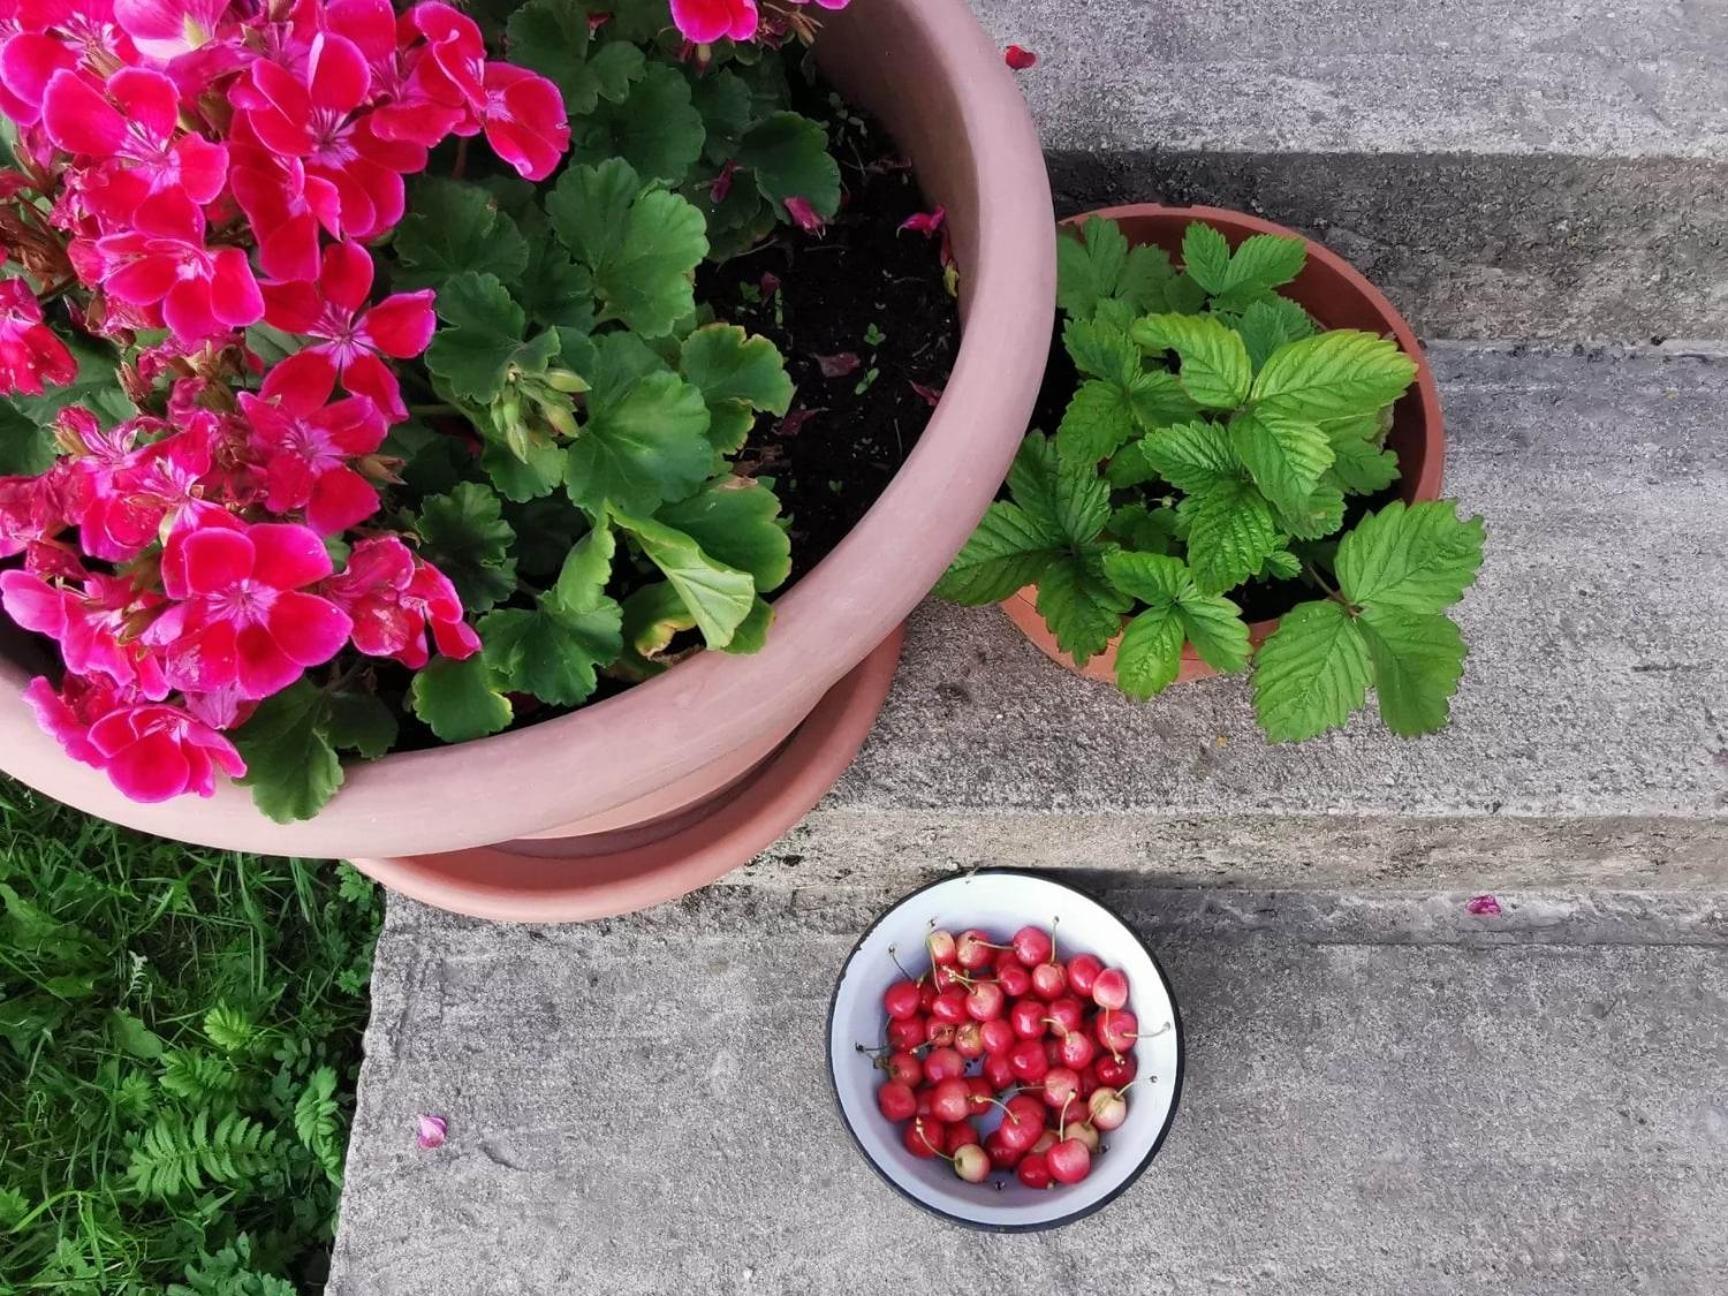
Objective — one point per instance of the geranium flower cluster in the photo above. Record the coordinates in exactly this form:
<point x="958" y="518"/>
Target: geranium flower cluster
<point x="187" y="169"/>
<point x="703" y="22"/>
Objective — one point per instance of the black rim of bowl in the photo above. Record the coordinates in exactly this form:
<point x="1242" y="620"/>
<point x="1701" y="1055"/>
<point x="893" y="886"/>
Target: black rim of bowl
<point x="1074" y="1215"/>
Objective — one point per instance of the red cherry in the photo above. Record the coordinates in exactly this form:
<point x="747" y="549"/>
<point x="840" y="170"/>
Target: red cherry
<point x="998" y="1036"/>
<point x="923" y="1139"/>
<point x="905" y="1067"/>
<point x="1061" y="1087"/>
<point x="1049" y="980"/>
<point x="1070" y="1161"/>
<point x="974" y="950"/>
<point x="941" y="947"/>
<point x="985" y="1001"/>
<point x="1014" y="979"/>
<point x="950" y="1007"/>
<point x="981" y="1095"/>
<point x="927" y="994"/>
<point x="1076" y="1049"/>
<point x="1046" y="1141"/>
<point x="943" y="1064"/>
<point x="998" y="1071"/>
<point x="922" y="1098"/>
<point x="969" y="1040"/>
<point x="1023" y="1122"/>
<point x="1083" y="970"/>
<point x="1110" y="990"/>
<point x="951" y="1100"/>
<point x="896" y="1101"/>
<point x="1001" y="1154"/>
<point x="958" y="1135"/>
<point x="1067" y="1013"/>
<point x="1027" y="1018"/>
<point x="906" y="1034"/>
<point x="1116" y="1071"/>
<point x="1027" y="1061"/>
<point x="1032" y="946"/>
<point x="1117" y="1031"/>
<point x="901" y="1000"/>
<point x="939" y="1033"/>
<point x="1034" y="1170"/>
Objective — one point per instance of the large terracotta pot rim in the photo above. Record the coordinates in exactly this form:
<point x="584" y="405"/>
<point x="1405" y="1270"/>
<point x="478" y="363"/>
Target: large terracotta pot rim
<point x="1420" y="407"/>
<point x="937" y="81"/>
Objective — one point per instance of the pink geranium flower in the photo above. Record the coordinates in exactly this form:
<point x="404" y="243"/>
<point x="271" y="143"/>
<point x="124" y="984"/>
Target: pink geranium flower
<point x="706" y="21"/>
<point x="350" y="341"/>
<point x="31" y="355"/>
<point x="526" y="124"/>
<point x="132" y="122"/>
<point x="315" y="113"/>
<point x="307" y="447"/>
<point x="284" y="206"/>
<point x="394" y="598"/>
<point x="154" y="491"/>
<point x="96" y="628"/>
<point x="162" y="260"/>
<point x="166" y="29"/>
<point x="243" y="617"/>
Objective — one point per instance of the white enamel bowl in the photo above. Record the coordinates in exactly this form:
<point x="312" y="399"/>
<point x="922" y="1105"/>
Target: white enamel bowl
<point x="1000" y="901"/>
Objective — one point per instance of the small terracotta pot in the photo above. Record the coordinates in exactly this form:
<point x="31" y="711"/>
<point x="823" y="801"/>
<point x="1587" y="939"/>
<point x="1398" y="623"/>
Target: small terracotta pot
<point x="664" y="787"/>
<point x="1336" y="294"/>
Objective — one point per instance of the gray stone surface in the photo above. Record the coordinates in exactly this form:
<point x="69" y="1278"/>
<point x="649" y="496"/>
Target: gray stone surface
<point x="1383" y="1094"/>
<point x="1589" y="737"/>
<point x="1547" y="169"/>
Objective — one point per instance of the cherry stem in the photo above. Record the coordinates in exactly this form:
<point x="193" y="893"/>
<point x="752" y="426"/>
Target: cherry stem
<point x="997" y="1102"/>
<point x="918" y="1125"/>
<point x="903" y="972"/>
<point x="1051" y="1021"/>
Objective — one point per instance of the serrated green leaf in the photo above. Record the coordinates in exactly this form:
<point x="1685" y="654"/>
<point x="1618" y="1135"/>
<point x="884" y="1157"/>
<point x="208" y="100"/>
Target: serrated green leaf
<point x="1206" y="256"/>
<point x="1333" y="374"/>
<point x="1214" y="626"/>
<point x="1215" y="370"/>
<point x="644" y="439"/>
<point x="1152" y="578"/>
<point x="521" y="478"/>
<point x="553" y="653"/>
<point x="1360" y="466"/>
<point x="1262" y="262"/>
<point x="1284" y="455"/>
<point x="1149" y="657"/>
<point x="483" y="331"/>
<point x="1212" y="623"/>
<point x="360" y="722"/>
<point x="1281" y="564"/>
<point x="1419" y="558"/>
<point x="1008" y="551"/>
<point x="736" y="521"/>
<point x="1230" y="533"/>
<point x="1101" y="350"/>
<point x="1311" y="672"/>
<point x="1080" y="605"/>
<point x="1267" y="325"/>
<point x="721" y="598"/>
<point x="1066" y="501"/>
<point x="788" y="156"/>
<point x="460" y="700"/>
<point x="1418" y="659"/>
<point x="1143" y="529"/>
<point x="465" y="536"/>
<point x="1316" y="517"/>
<point x="1130" y="467"/>
<point x="290" y="766"/>
<point x="738" y="374"/>
<point x="1095" y="266"/>
<point x="1098" y="422"/>
<point x="656" y="128"/>
<point x="1191" y="456"/>
<point x="454" y="227"/>
<point x="641" y="247"/>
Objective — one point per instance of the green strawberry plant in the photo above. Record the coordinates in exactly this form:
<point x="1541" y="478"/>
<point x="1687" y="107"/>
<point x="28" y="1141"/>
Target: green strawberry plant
<point x="1211" y="444"/>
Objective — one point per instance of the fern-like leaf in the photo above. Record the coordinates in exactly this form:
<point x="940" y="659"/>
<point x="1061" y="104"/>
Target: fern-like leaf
<point x="318" y="1122"/>
<point x="230" y="1029"/>
<point x="198" y="1076"/>
<point x="174" y="1158"/>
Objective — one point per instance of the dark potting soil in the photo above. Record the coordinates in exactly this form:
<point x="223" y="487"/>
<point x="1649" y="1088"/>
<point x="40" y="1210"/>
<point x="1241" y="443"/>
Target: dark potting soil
<point x="869" y="302"/>
<point x="1260" y="600"/>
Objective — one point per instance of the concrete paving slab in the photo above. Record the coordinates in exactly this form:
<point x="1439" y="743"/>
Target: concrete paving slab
<point x="1590" y="735"/>
<point x="1383" y="1094"/>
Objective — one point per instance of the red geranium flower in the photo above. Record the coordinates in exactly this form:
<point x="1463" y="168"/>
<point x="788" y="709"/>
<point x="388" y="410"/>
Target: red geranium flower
<point x="307" y="448"/>
<point x="394" y="597"/>
<point x="30" y="353"/>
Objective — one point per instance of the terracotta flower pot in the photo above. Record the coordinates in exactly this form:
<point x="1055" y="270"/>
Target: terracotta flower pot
<point x="664" y="787"/>
<point x="1338" y="295"/>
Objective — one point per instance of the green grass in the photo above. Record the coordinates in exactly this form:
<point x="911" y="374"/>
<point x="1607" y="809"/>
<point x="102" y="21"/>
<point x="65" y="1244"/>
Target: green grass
<point x="179" y="1038"/>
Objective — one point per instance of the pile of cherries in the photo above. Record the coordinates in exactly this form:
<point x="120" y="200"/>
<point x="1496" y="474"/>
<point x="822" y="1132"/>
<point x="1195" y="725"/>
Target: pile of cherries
<point x="1008" y="1027"/>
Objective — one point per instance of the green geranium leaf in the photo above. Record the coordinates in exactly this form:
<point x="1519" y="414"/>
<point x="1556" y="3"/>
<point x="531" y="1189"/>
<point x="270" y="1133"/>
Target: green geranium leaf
<point x="644" y="441"/>
<point x="1080" y="605"/>
<point x="554" y="290"/>
<point x="360" y="722"/>
<point x="1008" y="551"/>
<point x="465" y="536"/>
<point x="1284" y="455"/>
<point x="1333" y="374"/>
<point x="1419" y="558"/>
<point x="523" y="477"/>
<point x="656" y="129"/>
<point x="552" y="37"/>
<point x="738" y="375"/>
<point x="481" y="340"/>
<point x="737" y="522"/>
<point x="290" y="766"/>
<point x="653" y="615"/>
<point x="1418" y="659"/>
<point x="721" y="598"/>
<point x="453" y="227"/>
<point x="641" y="246"/>
<point x="752" y="633"/>
<point x="788" y="155"/>
<point x="1311" y="673"/>
<point x="1215" y="370"/>
<point x="460" y="700"/>
<point x="1206" y="256"/>
<point x="26" y="449"/>
<point x="1067" y="500"/>
<point x="724" y="100"/>
<point x="556" y="651"/>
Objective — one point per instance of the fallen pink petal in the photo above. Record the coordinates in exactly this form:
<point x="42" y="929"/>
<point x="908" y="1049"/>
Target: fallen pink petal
<point x="930" y="395"/>
<point x="1019" y="57"/>
<point x="839" y="365"/>
<point x="804" y="216"/>
<point x="925" y="223"/>
<point x="1483" y="906"/>
<point x="793" y="423"/>
<point x="430" y="1131"/>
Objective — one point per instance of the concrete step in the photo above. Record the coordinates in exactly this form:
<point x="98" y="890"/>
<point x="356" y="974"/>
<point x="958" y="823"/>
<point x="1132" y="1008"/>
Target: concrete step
<point x="1547" y="169"/>
<point x="1383" y="1094"/>
<point x="1589" y="740"/>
